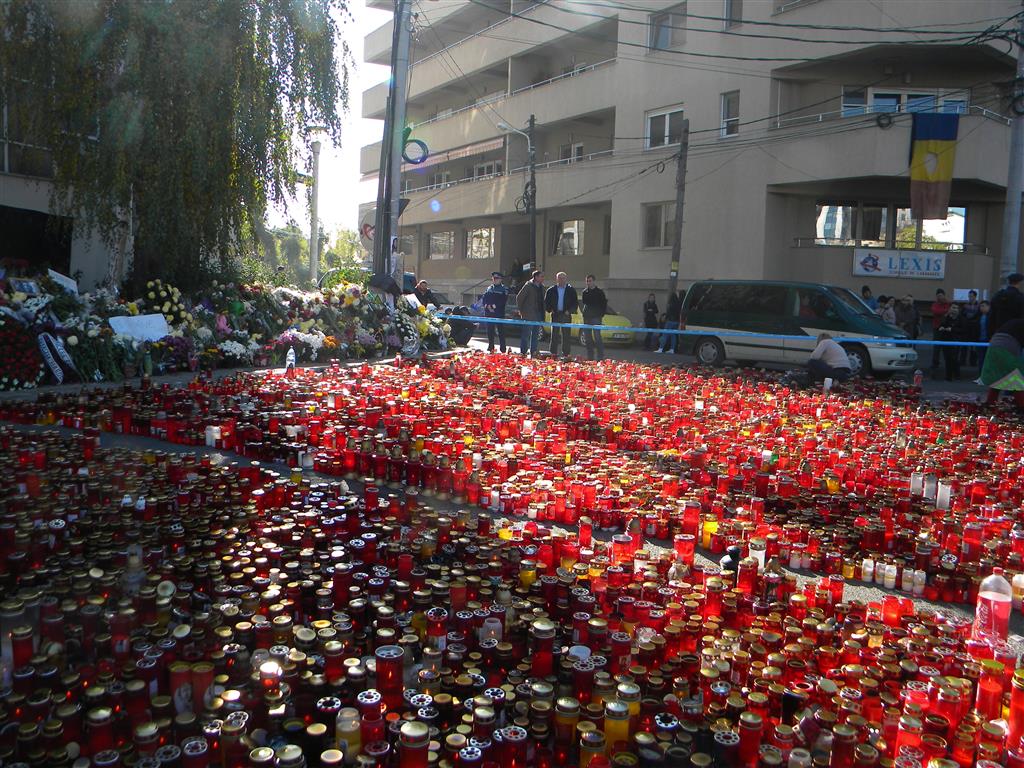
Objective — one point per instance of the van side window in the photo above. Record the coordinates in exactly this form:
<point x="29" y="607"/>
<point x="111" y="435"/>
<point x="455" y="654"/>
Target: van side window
<point x="813" y="305"/>
<point x="739" y="298"/>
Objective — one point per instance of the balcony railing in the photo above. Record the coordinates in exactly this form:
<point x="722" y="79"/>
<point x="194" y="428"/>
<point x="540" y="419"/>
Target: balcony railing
<point x="781" y="6"/>
<point x="496" y="24"/>
<point x="861" y="111"/>
<point x="847" y="242"/>
<point x="502" y="95"/>
<point x="521" y="169"/>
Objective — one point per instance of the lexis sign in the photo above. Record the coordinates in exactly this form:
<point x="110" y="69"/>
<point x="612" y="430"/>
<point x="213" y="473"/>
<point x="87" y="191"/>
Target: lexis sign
<point x="873" y="262"/>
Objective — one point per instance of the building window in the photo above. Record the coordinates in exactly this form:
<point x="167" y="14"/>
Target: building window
<point x="934" y="234"/>
<point x="887" y="225"/>
<point x="667" y="29"/>
<point x="440" y="179"/>
<point x="858" y="100"/>
<point x="659" y="225"/>
<point x="730" y="113"/>
<point x="570" y="153"/>
<point x="568" y="238"/>
<point x="855" y="100"/>
<point x="607" y="235"/>
<point x="874" y="226"/>
<point x="483" y="170"/>
<point x="733" y="13"/>
<point x="835" y="223"/>
<point x="664" y="127"/>
<point x="441" y="245"/>
<point x="480" y="243"/>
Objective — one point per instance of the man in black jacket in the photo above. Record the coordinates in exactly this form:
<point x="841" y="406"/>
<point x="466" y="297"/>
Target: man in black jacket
<point x="1007" y="304"/>
<point x="595" y="306"/>
<point x="561" y="301"/>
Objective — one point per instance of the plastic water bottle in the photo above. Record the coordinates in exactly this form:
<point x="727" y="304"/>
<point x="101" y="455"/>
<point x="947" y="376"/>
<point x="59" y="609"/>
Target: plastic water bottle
<point x="992" y="611"/>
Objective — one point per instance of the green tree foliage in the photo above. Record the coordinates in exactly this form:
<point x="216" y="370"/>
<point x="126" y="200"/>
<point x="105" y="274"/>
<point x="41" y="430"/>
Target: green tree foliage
<point x="182" y="117"/>
<point x="282" y="257"/>
<point x="907" y="238"/>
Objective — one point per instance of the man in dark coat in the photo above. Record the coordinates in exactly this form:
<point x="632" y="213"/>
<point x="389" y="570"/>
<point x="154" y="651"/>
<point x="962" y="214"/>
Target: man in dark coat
<point x="1007" y="304"/>
<point x="561" y="301"/>
<point x="493" y="301"/>
<point x="594" y="307"/>
<point x="530" y="302"/>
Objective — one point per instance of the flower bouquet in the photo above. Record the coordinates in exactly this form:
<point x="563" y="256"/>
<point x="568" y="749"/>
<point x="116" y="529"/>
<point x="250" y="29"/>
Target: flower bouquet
<point x="21" y="365"/>
<point x="166" y="299"/>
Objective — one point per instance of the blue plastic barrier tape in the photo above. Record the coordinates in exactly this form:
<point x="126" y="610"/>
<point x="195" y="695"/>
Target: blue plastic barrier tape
<point x="721" y="333"/>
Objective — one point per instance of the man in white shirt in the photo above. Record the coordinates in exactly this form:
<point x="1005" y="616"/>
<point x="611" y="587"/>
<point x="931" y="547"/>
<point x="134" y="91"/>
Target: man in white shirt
<point x="828" y="361"/>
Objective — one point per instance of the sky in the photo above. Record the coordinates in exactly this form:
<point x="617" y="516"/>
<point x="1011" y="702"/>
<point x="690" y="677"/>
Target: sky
<point x="340" y="188"/>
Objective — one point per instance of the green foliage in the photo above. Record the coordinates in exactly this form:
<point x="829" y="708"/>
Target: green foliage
<point x="182" y="117"/>
<point x="907" y="238"/>
<point x="282" y="258"/>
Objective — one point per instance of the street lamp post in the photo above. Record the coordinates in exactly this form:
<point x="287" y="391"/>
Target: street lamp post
<point x="314" y="226"/>
<point x="530" y="194"/>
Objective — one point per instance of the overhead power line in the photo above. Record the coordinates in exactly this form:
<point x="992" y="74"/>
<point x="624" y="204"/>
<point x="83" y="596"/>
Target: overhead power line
<point x="934" y="30"/>
<point x="967" y="36"/>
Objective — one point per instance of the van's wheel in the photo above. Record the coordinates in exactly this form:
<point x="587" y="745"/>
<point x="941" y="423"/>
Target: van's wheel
<point x="709" y="351"/>
<point x="860" y="360"/>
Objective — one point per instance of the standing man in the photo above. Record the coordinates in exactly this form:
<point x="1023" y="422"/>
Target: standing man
<point x="1007" y="304"/>
<point x="494" y="300"/>
<point x="595" y="305"/>
<point x="939" y="309"/>
<point x="530" y="301"/>
<point x="561" y="301"/>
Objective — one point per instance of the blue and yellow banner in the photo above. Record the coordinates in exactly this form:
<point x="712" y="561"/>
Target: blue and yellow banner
<point x="932" y="153"/>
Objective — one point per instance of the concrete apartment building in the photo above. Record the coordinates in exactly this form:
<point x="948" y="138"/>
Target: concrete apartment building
<point x="28" y="230"/>
<point x="798" y="155"/>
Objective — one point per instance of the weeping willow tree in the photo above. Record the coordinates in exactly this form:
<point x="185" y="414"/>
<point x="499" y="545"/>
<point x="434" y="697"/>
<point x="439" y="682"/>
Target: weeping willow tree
<point x="181" y="119"/>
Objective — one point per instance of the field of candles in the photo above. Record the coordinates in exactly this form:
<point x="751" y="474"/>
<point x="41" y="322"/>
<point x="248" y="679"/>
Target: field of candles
<point x="488" y="561"/>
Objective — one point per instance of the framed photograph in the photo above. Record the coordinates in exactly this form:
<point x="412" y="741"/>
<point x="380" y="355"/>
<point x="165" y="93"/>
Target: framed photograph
<point x="24" y="286"/>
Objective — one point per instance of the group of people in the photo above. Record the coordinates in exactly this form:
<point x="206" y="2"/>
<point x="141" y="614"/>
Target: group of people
<point x="969" y="321"/>
<point x="534" y="302"/>
<point x="999" y="323"/>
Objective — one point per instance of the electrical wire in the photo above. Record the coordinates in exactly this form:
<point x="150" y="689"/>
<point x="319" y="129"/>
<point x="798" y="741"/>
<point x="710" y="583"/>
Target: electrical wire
<point x="796" y="25"/>
<point x="965" y="36"/>
<point x="584" y="33"/>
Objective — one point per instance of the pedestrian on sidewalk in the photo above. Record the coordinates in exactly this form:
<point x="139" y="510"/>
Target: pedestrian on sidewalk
<point x="562" y="302"/>
<point x="908" y="318"/>
<point x="673" y="309"/>
<point x="939" y="308"/>
<point x="530" y="301"/>
<point x="594" y="306"/>
<point x="650" y="321"/>
<point x="1004" y="366"/>
<point x="951" y="329"/>
<point x="493" y="301"/>
<point x="1007" y="303"/>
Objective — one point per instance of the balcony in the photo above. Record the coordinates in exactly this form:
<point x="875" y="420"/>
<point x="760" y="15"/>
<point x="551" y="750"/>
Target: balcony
<point x="857" y="148"/>
<point x="557" y="182"/>
<point x="438" y="25"/>
<point x="576" y="93"/>
<point x="482" y="51"/>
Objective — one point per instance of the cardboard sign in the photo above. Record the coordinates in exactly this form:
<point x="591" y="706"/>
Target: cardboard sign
<point x="141" y="327"/>
<point x="63" y="281"/>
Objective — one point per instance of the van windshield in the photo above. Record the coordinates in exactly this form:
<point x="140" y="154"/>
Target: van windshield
<point x="851" y="301"/>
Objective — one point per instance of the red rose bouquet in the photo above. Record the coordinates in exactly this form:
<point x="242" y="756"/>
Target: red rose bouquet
<point x="21" y="365"/>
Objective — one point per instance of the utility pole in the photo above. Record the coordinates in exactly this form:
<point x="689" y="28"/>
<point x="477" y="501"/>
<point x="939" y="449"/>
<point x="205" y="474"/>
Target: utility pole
<point x="389" y="180"/>
<point x="532" y="150"/>
<point x="677" y="234"/>
<point x="1009" y="258"/>
<point x="314" y="225"/>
